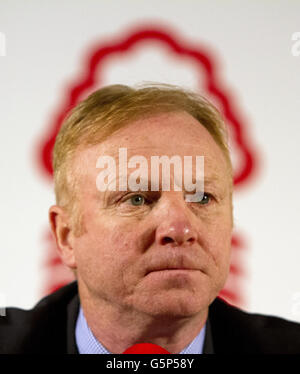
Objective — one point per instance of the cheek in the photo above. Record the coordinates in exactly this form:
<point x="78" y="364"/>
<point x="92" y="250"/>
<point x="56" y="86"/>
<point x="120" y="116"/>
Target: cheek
<point x="105" y="251"/>
<point x="218" y="244"/>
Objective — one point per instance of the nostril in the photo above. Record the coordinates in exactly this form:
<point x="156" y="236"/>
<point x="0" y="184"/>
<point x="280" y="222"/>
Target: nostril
<point x="176" y="233"/>
<point x="167" y="239"/>
<point x="191" y="240"/>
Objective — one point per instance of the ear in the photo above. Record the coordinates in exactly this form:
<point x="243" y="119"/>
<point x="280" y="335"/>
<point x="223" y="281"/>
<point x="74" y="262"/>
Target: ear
<point x="63" y="235"/>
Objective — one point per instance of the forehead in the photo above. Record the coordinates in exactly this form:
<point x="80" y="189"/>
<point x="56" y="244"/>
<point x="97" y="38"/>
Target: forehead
<point x="163" y="134"/>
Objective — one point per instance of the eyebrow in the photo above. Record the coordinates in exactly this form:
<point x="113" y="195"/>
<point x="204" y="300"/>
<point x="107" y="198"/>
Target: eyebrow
<point x="212" y="179"/>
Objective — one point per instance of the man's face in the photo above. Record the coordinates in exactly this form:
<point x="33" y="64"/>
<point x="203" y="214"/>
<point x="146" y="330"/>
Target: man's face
<point x="153" y="252"/>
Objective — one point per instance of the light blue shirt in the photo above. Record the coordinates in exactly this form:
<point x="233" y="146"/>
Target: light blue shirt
<point x="88" y="344"/>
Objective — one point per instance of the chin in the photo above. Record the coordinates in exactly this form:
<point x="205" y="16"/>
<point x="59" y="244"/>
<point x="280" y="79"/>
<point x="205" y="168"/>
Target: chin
<point x="174" y="304"/>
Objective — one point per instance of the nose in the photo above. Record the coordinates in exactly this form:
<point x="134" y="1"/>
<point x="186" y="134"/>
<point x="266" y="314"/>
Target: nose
<point x="176" y="233"/>
<point x="176" y="229"/>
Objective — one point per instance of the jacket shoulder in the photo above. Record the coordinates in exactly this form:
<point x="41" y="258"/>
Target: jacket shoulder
<point x="238" y="331"/>
<point x="41" y="329"/>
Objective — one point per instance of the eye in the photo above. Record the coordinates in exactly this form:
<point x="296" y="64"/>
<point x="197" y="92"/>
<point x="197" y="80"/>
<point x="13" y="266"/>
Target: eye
<point x="205" y="199"/>
<point x="137" y="200"/>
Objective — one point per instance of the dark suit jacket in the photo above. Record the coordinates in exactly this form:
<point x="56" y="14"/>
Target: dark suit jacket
<point x="50" y="328"/>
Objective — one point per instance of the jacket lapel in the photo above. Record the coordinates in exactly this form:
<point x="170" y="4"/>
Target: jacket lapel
<point x="72" y="313"/>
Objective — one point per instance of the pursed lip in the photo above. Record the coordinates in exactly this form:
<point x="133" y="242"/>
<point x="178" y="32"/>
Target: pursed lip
<point x="170" y="260"/>
<point x="170" y="269"/>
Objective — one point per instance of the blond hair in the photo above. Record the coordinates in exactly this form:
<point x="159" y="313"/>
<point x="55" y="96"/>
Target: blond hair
<point x="113" y="107"/>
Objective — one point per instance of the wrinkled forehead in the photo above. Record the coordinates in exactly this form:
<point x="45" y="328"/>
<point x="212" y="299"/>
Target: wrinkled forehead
<point x="167" y="133"/>
<point x="176" y="135"/>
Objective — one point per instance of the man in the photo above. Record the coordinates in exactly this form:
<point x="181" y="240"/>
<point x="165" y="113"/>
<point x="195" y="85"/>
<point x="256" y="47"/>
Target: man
<point x="149" y="258"/>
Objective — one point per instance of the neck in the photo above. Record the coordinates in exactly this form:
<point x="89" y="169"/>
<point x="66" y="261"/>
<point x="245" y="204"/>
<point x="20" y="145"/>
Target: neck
<point x="118" y="328"/>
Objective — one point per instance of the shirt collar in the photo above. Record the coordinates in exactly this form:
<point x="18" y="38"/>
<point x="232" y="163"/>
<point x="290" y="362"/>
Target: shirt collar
<point x="88" y="344"/>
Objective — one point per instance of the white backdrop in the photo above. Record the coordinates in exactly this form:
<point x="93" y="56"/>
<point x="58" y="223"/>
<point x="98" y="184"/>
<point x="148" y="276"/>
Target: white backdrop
<point x="48" y="44"/>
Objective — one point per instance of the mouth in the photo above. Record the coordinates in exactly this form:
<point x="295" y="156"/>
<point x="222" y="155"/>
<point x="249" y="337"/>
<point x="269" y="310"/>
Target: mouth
<point x="172" y="263"/>
<point x="172" y="270"/>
